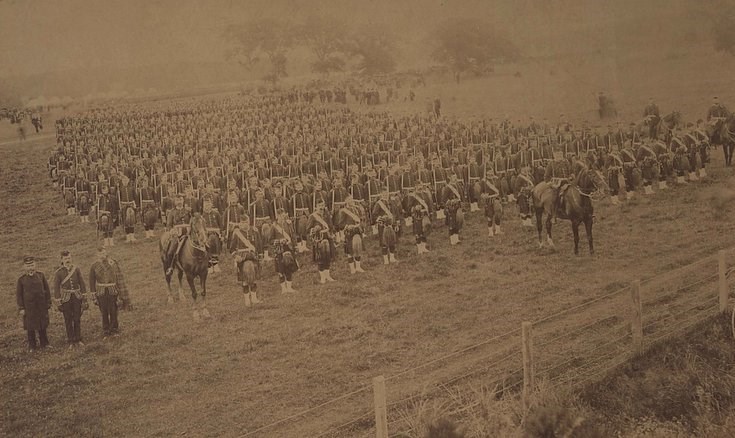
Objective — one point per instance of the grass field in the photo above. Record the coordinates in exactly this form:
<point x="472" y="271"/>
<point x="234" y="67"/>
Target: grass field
<point x="244" y="368"/>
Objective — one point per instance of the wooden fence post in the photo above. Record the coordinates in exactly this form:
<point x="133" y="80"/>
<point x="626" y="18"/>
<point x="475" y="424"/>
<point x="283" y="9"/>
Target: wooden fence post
<point x="528" y="374"/>
<point x="636" y="317"/>
<point x="722" y="286"/>
<point x="381" y="409"/>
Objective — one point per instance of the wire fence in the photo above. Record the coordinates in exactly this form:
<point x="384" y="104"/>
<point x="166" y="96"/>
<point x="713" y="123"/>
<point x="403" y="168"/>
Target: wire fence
<point x="573" y="347"/>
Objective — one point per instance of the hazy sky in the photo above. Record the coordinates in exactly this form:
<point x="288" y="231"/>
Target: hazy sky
<point x="37" y="36"/>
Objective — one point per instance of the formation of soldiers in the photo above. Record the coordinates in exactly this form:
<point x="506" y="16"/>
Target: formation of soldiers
<point x="289" y="161"/>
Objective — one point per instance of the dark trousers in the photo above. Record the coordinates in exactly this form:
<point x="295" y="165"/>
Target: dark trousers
<point x="72" y="311"/>
<point x="108" y="307"/>
<point x="32" y="338"/>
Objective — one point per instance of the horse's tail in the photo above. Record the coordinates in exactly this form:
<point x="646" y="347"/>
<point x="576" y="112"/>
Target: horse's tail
<point x="357" y="245"/>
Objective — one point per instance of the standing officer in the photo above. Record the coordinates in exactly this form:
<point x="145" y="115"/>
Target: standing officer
<point x="33" y="297"/>
<point x="70" y="297"/>
<point x="107" y="284"/>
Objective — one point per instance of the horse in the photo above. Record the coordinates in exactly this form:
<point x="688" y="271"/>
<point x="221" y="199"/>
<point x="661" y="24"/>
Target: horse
<point x="193" y="261"/>
<point x="722" y="132"/>
<point x="493" y="212"/>
<point x="661" y="128"/>
<point x="575" y="204"/>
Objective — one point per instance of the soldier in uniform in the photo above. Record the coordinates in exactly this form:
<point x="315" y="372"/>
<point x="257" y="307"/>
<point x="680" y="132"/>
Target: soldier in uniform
<point x="453" y="198"/>
<point x="261" y="212"/>
<point x="245" y="244"/>
<point x="82" y="189"/>
<point x="178" y="226"/>
<point x="336" y="200"/>
<point x="652" y="115"/>
<point x="146" y="201"/>
<point x="300" y="211"/>
<point x="128" y="198"/>
<point x="474" y="174"/>
<point x="70" y="297"/>
<point x="33" y="298"/>
<point x="356" y="211"/>
<point x="285" y="245"/>
<point x="320" y="227"/>
<point x="107" y="206"/>
<point x="420" y="220"/>
<point x="385" y="214"/>
<point x="107" y="285"/>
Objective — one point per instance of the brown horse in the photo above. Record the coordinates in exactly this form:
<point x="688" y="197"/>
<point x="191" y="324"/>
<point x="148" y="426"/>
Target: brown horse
<point x="193" y="261"/>
<point x="575" y="204"/>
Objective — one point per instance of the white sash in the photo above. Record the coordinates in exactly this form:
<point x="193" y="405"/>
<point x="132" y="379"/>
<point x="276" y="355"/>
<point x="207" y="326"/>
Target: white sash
<point x="384" y="208"/>
<point x="282" y="231"/>
<point x="421" y="201"/>
<point x="320" y="220"/>
<point x="453" y="189"/>
<point x="242" y="238"/>
<point x="351" y="214"/>
<point x="528" y="180"/>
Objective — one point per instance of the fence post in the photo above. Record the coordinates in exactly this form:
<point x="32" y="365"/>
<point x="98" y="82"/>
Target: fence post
<point x="381" y="410"/>
<point x="722" y="286"/>
<point x="636" y="317"/>
<point x="528" y="375"/>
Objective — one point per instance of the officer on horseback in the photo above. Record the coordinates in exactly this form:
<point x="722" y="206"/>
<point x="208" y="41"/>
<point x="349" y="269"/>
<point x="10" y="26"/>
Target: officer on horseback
<point x="558" y="174"/>
<point x="717" y="110"/>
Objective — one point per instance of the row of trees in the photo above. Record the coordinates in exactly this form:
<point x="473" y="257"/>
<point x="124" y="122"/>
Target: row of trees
<point x="461" y="45"/>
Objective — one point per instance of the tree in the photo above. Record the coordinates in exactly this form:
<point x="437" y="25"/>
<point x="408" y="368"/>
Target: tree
<point x="269" y="38"/>
<point x="470" y="45"/>
<point x="374" y="47"/>
<point x="328" y="39"/>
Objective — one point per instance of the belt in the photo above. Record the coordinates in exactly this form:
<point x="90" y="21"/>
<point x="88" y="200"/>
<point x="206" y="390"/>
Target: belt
<point x="70" y="290"/>
<point x="262" y="217"/>
<point x="106" y="284"/>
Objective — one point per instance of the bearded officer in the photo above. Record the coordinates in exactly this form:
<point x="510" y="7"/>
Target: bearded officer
<point x="33" y="298"/>
<point x="178" y="227"/>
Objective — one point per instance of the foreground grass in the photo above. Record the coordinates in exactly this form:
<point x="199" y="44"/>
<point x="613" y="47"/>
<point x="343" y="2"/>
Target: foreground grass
<point x="680" y="388"/>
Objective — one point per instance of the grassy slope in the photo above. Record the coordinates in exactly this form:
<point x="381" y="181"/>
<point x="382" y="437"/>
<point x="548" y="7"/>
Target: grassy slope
<point x="248" y="367"/>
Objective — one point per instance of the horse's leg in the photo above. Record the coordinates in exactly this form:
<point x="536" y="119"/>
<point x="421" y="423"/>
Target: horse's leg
<point x="726" y="153"/>
<point x="180" y="275"/>
<point x="190" y="280"/>
<point x="170" y="294"/>
<point x="588" y="228"/>
<point x="575" y="231"/>
<point x="539" y="227"/>
<point x="203" y="279"/>
<point x="548" y="230"/>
